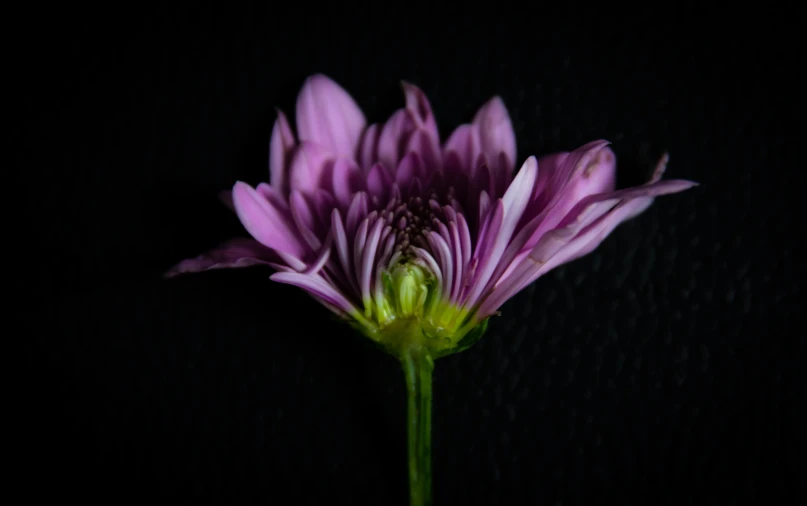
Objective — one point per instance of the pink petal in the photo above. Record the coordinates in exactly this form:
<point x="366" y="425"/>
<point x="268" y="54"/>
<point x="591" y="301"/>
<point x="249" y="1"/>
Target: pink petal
<point x="342" y="245"/>
<point x="235" y="253"/>
<point x="428" y="150"/>
<point x="579" y="233"/>
<point x="455" y="174"/>
<point x="309" y="163"/>
<point x="484" y="208"/>
<point x="265" y="222"/>
<point x="465" y="143"/>
<point x="317" y="286"/>
<point x="356" y="212"/>
<point x="280" y="148"/>
<point x="304" y="218"/>
<point x="322" y="257"/>
<point x="368" y="148"/>
<point x="585" y="171"/>
<point x="368" y="259"/>
<point x="548" y="166"/>
<point x="443" y="256"/>
<point x="324" y="203"/>
<point x="417" y="102"/>
<point x="394" y="135"/>
<point x="359" y="240"/>
<point x="496" y="134"/>
<point x="327" y="115"/>
<point x="488" y="231"/>
<point x="514" y="202"/>
<point x="408" y="169"/>
<point x="346" y="180"/>
<point x="378" y="182"/>
<point x="274" y="197"/>
<point x="427" y="140"/>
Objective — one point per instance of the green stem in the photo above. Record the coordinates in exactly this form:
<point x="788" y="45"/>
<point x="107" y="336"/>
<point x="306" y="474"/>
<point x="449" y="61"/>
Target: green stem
<point x="418" y="366"/>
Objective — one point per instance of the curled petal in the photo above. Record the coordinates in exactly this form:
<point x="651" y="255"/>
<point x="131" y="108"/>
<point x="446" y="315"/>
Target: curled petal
<point x="327" y="115"/>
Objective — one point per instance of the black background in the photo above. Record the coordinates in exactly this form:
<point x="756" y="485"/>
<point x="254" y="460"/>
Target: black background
<point x="662" y="369"/>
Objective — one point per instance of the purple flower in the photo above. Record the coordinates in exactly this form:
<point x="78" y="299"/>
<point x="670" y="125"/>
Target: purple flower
<point x="408" y="238"/>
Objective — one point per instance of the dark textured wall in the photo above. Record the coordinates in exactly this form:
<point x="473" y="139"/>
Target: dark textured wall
<point x="663" y="369"/>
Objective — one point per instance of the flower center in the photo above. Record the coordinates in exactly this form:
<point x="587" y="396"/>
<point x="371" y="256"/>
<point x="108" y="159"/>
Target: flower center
<point x="414" y="302"/>
<point x="414" y="217"/>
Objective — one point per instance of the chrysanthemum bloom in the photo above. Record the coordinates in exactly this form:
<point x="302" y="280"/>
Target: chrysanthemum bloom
<point x="414" y="242"/>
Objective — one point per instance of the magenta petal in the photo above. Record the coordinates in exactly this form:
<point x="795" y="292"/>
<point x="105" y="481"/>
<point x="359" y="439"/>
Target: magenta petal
<point x="453" y="168"/>
<point x="327" y="115"/>
<point x="417" y="102"/>
<point x="356" y="212"/>
<point x="346" y="180"/>
<point x="575" y="163"/>
<point x="308" y="164"/>
<point x="488" y="231"/>
<point x="342" y="246"/>
<point x="368" y="258"/>
<point x="589" y="239"/>
<point x="368" y="148"/>
<point x="598" y="175"/>
<point x="235" y="253"/>
<point x="280" y="147"/>
<point x="304" y="218"/>
<point x="465" y="143"/>
<point x="579" y="233"/>
<point x="661" y="166"/>
<point x="410" y="168"/>
<point x="496" y="133"/>
<point x="587" y="170"/>
<point x="425" y="147"/>
<point x="548" y="166"/>
<point x="324" y="203"/>
<point x="427" y="144"/>
<point x="378" y="182"/>
<point x="322" y="257"/>
<point x="514" y="203"/>
<point x="269" y="225"/>
<point x="317" y="286"/>
<point x="393" y="136"/>
<point x="648" y="190"/>
<point x="274" y="197"/>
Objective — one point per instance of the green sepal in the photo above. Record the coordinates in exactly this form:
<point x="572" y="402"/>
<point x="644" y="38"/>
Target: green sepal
<point x="468" y="340"/>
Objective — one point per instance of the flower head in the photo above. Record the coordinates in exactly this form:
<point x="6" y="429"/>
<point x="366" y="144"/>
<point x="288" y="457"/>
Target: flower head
<point x="409" y="239"/>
